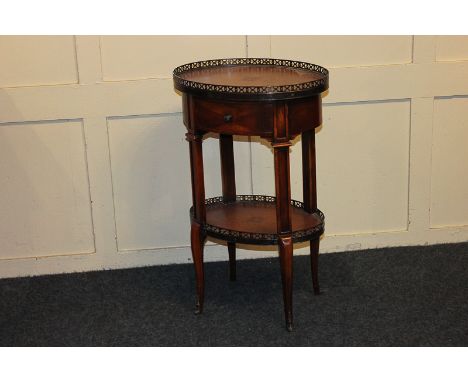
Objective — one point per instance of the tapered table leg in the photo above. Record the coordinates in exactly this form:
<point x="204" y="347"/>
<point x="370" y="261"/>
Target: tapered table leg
<point x="281" y="146"/>
<point x="286" y="260"/>
<point x="232" y="261"/>
<point x="228" y="181"/>
<point x="197" y="239"/>
<point x="310" y="196"/>
<point x="314" y="251"/>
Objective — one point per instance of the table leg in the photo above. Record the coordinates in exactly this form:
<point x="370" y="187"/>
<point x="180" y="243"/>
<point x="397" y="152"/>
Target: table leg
<point x="314" y="251"/>
<point x="283" y="217"/>
<point x="281" y="146"/>
<point x="197" y="236"/>
<point x="286" y="261"/>
<point x="232" y="261"/>
<point x="228" y="180"/>
<point x="197" y="175"/>
<point x="197" y="240"/>
<point x="310" y="196"/>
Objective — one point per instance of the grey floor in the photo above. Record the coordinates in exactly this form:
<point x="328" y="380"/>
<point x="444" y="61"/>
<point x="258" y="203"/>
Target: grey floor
<point x="410" y="296"/>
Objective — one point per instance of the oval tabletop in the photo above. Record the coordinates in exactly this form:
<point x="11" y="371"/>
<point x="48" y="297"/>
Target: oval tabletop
<point x="251" y="78"/>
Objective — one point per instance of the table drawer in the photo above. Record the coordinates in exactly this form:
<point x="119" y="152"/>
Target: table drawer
<point x="239" y="118"/>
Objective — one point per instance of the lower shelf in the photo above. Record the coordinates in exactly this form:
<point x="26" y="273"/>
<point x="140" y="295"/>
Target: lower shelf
<point x="251" y="219"/>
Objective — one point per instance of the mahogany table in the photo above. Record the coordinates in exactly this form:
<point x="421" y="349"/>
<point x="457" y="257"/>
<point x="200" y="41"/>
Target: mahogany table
<point x="276" y="100"/>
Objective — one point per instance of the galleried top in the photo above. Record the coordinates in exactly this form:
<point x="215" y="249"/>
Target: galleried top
<point x="251" y="78"/>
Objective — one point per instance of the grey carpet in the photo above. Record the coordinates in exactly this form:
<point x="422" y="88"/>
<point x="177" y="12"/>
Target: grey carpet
<point x="411" y="296"/>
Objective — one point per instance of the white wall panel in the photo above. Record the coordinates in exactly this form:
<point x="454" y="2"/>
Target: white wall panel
<point x="37" y="60"/>
<point x="363" y="164"/>
<point x="134" y="57"/>
<point x="151" y="179"/>
<point x="337" y="51"/>
<point x="392" y="163"/>
<point x="45" y="205"/>
<point x="452" y="48"/>
<point x="362" y="167"/>
<point x="449" y="186"/>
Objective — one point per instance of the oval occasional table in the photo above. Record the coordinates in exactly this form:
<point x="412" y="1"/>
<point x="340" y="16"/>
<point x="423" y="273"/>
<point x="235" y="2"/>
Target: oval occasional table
<point x="273" y="99"/>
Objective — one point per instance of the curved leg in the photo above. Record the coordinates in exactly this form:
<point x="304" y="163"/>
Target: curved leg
<point x="314" y="251"/>
<point x="286" y="260"/>
<point x="197" y="242"/>
<point x="232" y="261"/>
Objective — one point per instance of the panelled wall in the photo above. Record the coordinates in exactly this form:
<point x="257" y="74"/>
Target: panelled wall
<point x="94" y="166"/>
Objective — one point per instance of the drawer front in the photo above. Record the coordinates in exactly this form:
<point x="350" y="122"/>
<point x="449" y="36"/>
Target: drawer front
<point x="304" y="114"/>
<point x="239" y="118"/>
